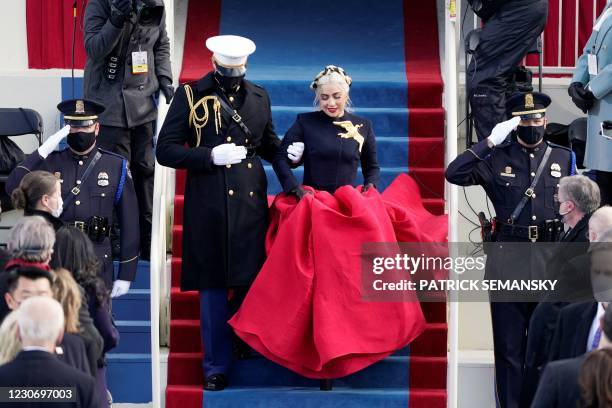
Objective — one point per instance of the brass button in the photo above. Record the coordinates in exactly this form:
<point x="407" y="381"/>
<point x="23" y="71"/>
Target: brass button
<point x="103" y="194"/>
<point x="80" y="162"/>
<point x="78" y="181"/>
<point x="231" y="192"/>
<point x="251" y="194"/>
<point x="531" y="155"/>
<point x="250" y="165"/>
<point x="229" y="139"/>
<point x="533" y="195"/>
<point x="246" y="140"/>
<point x="78" y="202"/>
<point x="106" y="256"/>
<point x="534" y="217"/>
<point x="532" y="174"/>
<point x="229" y="166"/>
<point x="507" y="184"/>
<point x="231" y="98"/>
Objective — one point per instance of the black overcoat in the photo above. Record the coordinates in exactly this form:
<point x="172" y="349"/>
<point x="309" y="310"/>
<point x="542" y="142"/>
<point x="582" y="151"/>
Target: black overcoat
<point x="226" y="207"/>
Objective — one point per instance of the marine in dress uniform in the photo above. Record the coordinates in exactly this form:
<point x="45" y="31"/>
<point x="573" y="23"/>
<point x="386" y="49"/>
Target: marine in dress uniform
<point x="94" y="183"/>
<point x="226" y="204"/>
<point x="506" y="170"/>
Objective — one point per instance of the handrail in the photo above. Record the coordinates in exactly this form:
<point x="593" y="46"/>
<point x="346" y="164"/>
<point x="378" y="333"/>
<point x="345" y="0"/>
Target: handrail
<point x="451" y="28"/>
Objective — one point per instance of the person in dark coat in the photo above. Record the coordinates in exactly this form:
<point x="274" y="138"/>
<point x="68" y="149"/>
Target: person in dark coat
<point x="572" y="331"/>
<point x="41" y="323"/>
<point x="559" y="385"/>
<point x="333" y="141"/>
<point x="506" y="169"/>
<point x="128" y="61"/>
<point x="578" y="197"/>
<point x="96" y="185"/>
<point x="508" y="34"/>
<point x="40" y="193"/>
<point x="226" y="203"/>
<point x="74" y="252"/>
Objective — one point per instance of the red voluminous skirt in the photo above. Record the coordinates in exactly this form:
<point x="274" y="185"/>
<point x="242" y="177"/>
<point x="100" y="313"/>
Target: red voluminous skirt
<point x="305" y="310"/>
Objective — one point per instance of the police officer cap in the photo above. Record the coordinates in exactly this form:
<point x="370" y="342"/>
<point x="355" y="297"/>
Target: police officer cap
<point x="80" y="112"/>
<point x="230" y="50"/>
<point x="530" y="105"/>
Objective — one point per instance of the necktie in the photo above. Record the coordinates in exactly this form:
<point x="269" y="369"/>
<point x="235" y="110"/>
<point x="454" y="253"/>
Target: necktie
<point x="596" y="339"/>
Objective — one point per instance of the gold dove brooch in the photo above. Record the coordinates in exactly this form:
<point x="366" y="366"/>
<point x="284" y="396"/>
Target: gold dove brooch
<point x="352" y="132"/>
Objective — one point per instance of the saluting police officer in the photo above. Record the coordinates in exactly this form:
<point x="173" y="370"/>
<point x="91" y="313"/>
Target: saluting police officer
<point x="218" y="129"/>
<point x="94" y="182"/>
<point x="520" y="176"/>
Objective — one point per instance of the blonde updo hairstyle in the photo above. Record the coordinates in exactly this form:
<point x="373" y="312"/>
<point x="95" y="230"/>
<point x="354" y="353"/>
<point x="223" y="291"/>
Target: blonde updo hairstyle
<point x="32" y="188"/>
<point x="332" y="75"/>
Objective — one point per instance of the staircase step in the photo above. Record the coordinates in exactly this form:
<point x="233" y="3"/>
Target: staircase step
<point x="387" y="122"/>
<point x="426" y="152"/>
<point x="312" y="397"/>
<point x="186" y="369"/>
<point x="135" y="305"/>
<point x="426" y="121"/>
<point x="184" y="396"/>
<point x="135" y="337"/>
<point x="185" y="336"/>
<point x="179" y="202"/>
<point x="370" y="94"/>
<point x="435" y="312"/>
<point x="143" y="276"/>
<point x="427" y="398"/>
<point x="129" y="377"/>
<point x="175" y="268"/>
<point x="177" y="240"/>
<point x="184" y="305"/>
<point x="432" y="342"/>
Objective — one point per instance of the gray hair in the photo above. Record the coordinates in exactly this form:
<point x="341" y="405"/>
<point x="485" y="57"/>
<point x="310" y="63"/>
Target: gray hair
<point x="601" y="220"/>
<point x="31" y="239"/>
<point x="9" y="338"/>
<point x="40" y="320"/>
<point x="583" y="191"/>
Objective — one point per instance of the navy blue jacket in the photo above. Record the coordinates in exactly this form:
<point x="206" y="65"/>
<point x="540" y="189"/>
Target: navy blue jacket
<point x="507" y="170"/>
<point x="109" y="187"/>
<point x="330" y="161"/>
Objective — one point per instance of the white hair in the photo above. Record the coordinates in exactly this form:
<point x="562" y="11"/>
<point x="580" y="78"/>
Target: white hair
<point x="9" y="338"/>
<point x="601" y="219"/>
<point x="40" y="320"/>
<point x="32" y="239"/>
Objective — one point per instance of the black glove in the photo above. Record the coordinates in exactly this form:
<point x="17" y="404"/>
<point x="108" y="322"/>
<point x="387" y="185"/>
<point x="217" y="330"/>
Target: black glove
<point x="165" y="86"/>
<point x="298" y="192"/>
<point x="582" y="98"/>
<point x="367" y="186"/>
<point x="120" y="11"/>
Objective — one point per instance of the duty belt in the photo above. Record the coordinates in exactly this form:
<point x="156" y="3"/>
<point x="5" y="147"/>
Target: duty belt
<point x="96" y="228"/>
<point x="547" y="231"/>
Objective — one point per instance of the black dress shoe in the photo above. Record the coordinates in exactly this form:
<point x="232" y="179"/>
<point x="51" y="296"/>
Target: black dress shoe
<point x="215" y="382"/>
<point x="325" y="385"/>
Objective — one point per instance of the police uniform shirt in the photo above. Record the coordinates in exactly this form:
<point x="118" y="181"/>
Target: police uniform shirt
<point x="506" y="171"/>
<point x="109" y="186"/>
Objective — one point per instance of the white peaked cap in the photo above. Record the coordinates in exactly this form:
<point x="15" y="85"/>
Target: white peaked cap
<point x="230" y="50"/>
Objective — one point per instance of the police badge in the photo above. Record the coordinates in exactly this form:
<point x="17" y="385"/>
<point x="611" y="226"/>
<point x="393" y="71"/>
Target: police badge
<point x="103" y="179"/>
<point x="555" y="170"/>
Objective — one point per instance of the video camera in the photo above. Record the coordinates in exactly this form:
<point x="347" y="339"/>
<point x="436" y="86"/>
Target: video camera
<point x="148" y="12"/>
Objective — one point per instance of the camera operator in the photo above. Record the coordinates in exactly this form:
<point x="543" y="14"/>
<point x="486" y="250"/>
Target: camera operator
<point x="128" y="61"/>
<point x="511" y="29"/>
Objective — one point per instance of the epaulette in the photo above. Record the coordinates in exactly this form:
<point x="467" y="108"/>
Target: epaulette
<point x="554" y="145"/>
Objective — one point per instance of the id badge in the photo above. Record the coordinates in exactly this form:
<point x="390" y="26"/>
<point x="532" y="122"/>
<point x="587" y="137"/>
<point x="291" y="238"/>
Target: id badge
<point x="592" y="64"/>
<point x="139" y="62"/>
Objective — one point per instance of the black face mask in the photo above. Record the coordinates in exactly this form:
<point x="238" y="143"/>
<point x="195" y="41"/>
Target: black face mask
<point x="530" y="134"/>
<point x="81" y="141"/>
<point x="229" y="84"/>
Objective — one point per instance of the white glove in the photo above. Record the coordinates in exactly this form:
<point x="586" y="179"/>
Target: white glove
<point x="295" y="152"/>
<point x="53" y="141"/>
<point x="228" y="153"/>
<point x="503" y="129"/>
<point x="120" y="288"/>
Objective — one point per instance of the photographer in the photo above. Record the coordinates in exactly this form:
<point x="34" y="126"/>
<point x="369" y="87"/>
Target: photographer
<point x="511" y="29"/>
<point x="128" y="61"/>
